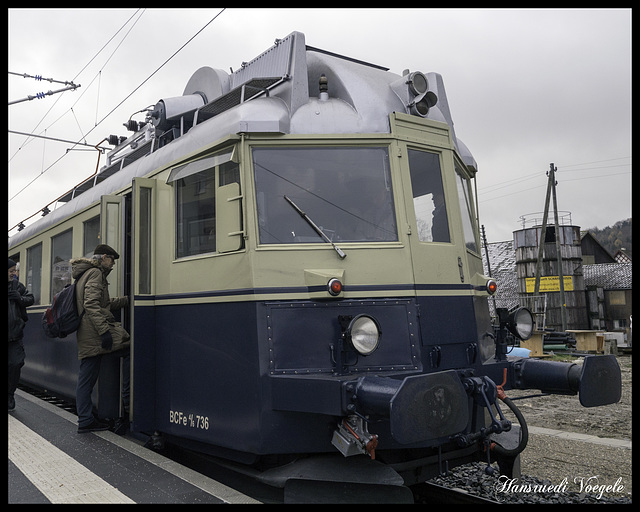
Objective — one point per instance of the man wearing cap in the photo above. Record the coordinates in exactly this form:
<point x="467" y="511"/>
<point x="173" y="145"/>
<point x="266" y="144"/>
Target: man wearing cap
<point x="19" y="299"/>
<point x="99" y="332"/>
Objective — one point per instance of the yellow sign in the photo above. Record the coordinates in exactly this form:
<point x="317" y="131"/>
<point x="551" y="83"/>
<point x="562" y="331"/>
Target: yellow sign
<point x="549" y="284"/>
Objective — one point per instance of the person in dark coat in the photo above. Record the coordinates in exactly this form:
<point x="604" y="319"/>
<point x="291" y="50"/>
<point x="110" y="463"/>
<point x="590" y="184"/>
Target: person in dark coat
<point x="99" y="333"/>
<point x="19" y="300"/>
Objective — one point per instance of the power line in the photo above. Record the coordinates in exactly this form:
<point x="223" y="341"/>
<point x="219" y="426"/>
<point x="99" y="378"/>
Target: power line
<point x="509" y="183"/>
<point x="595" y="177"/>
<point x="516" y="181"/>
<point x="598" y="161"/>
<point x="493" y="198"/>
<point x="593" y="168"/>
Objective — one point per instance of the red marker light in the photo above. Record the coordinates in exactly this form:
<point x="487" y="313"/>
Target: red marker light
<point x="492" y="286"/>
<point x="334" y="287"/>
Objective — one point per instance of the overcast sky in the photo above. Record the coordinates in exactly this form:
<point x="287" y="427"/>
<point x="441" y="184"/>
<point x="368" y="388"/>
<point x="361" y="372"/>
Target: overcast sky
<point x="526" y="88"/>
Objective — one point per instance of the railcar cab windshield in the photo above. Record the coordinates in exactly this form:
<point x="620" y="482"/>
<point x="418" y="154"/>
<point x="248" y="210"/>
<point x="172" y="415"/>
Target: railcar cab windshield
<point x="346" y="191"/>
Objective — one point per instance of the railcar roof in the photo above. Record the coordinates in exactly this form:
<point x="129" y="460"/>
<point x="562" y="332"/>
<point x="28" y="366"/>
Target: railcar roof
<point x="276" y="92"/>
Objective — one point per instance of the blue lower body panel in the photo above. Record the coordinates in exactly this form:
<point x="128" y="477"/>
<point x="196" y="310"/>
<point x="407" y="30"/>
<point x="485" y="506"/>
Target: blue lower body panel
<point x="221" y="373"/>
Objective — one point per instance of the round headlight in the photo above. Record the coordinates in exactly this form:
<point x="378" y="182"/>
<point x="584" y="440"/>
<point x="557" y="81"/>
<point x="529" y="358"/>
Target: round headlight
<point x="521" y="323"/>
<point x="420" y="108"/>
<point x="423" y="103"/>
<point x="364" y="333"/>
<point x="418" y="83"/>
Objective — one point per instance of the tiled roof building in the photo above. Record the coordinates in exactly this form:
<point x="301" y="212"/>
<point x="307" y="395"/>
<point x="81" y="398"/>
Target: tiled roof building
<point x="607" y="285"/>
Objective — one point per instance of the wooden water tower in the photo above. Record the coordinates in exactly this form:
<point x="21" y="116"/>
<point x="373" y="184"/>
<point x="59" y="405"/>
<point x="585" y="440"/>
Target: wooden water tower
<point x="548" y="301"/>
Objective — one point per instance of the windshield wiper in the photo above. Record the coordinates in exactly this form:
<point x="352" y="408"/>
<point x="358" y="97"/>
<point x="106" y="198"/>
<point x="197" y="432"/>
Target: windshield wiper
<point x="315" y="227"/>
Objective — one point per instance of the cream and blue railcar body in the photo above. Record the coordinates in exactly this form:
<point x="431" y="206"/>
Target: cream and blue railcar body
<point x="264" y="217"/>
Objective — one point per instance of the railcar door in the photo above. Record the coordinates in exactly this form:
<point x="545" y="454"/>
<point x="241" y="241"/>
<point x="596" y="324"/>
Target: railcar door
<point x="113" y="220"/>
<point x="142" y="286"/>
<point x="146" y="240"/>
<point x="438" y="251"/>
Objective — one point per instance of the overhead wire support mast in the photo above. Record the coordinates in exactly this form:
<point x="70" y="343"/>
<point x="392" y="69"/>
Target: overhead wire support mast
<point x="77" y="143"/>
<point x="70" y="87"/>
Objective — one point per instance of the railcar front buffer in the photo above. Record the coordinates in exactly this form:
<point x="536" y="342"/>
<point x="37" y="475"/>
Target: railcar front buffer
<point x="598" y="382"/>
<point x="419" y="408"/>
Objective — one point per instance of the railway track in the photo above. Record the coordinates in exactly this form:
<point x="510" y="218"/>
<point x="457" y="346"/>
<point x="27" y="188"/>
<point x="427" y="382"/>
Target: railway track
<point x="434" y="494"/>
<point x="454" y="489"/>
<point x="423" y="493"/>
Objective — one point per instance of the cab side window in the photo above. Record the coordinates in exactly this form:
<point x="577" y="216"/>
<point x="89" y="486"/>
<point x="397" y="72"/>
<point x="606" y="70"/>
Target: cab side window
<point x="428" y="196"/>
<point x="466" y="207"/>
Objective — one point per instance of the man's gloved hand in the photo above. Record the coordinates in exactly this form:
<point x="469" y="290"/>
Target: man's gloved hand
<point x="106" y="340"/>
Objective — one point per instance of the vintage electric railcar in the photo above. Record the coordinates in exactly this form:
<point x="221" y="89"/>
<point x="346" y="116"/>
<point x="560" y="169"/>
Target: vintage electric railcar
<point x="300" y="245"/>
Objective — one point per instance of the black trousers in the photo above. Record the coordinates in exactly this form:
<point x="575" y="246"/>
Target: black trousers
<point x="16" y="362"/>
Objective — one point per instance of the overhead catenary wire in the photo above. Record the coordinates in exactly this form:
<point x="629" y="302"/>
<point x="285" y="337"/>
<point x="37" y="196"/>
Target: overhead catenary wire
<point x="70" y="87"/>
<point x="83" y="137"/>
<point x="55" y="139"/>
<point x="41" y="95"/>
<point x="158" y="69"/>
<point x="28" y="140"/>
<point x="39" y="78"/>
<point x="130" y="94"/>
<point x="45" y="210"/>
<point x="118" y="105"/>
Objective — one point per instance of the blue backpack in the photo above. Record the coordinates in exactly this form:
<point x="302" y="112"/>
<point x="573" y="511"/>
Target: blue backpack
<point x="62" y="318"/>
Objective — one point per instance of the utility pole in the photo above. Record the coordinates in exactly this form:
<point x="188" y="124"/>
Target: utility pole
<point x="551" y="190"/>
<point x="543" y="230"/>
<point x="563" y="305"/>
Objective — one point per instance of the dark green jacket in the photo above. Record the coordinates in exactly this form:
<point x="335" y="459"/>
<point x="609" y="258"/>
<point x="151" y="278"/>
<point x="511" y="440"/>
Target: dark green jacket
<point x="92" y="296"/>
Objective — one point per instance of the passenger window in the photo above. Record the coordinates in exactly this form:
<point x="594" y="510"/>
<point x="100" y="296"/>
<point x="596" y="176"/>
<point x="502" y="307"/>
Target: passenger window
<point x="91" y="236"/>
<point x="428" y="196"/>
<point x="33" y="275"/>
<point x="466" y="208"/>
<point x="60" y="266"/>
<point x="195" y="185"/>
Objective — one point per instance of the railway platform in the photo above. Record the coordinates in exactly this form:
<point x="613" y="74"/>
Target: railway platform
<point x="49" y="462"/>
